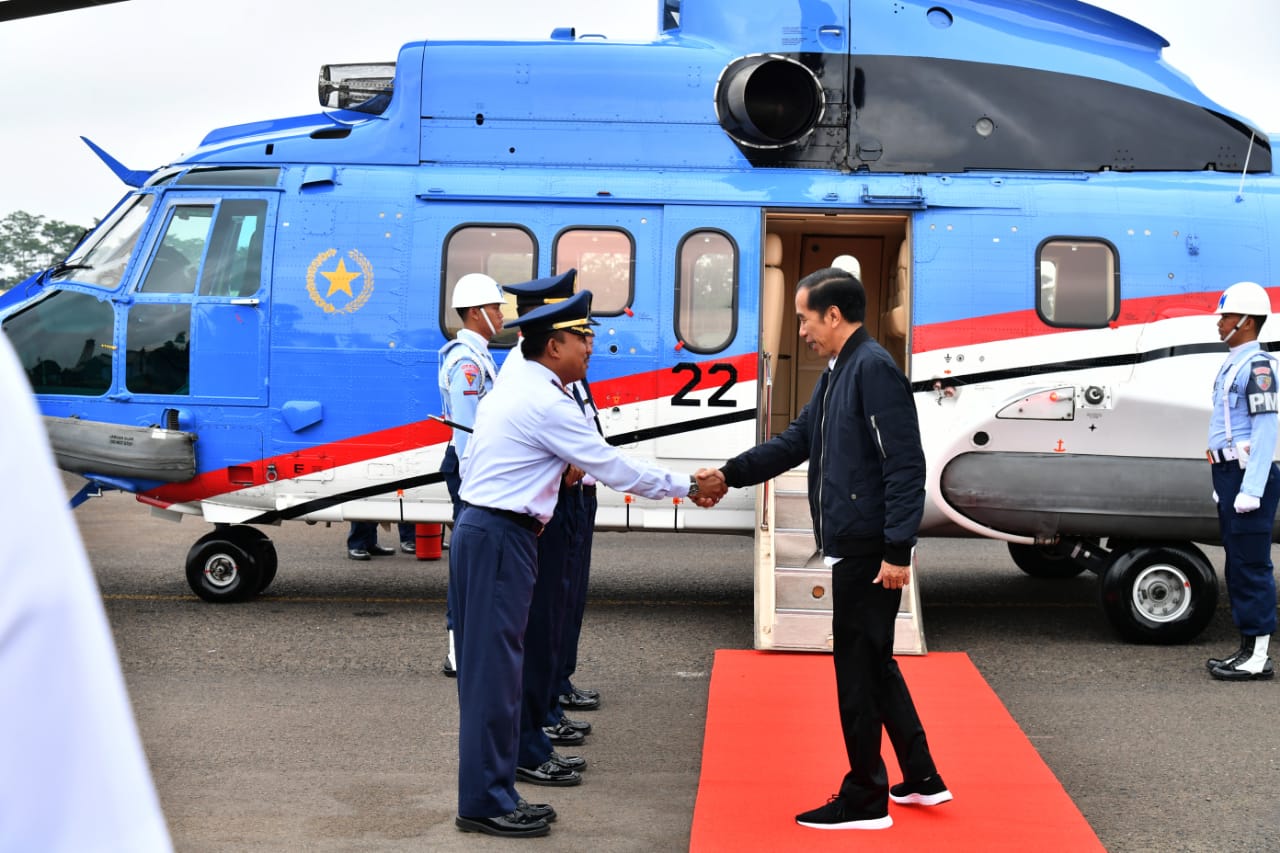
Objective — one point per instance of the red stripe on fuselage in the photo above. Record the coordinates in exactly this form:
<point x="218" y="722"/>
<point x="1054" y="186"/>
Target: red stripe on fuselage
<point x="620" y="391"/>
<point x="1024" y="324"/>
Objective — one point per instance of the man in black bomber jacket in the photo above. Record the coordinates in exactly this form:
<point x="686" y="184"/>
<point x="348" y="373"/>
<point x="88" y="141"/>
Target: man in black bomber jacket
<point x="861" y="438"/>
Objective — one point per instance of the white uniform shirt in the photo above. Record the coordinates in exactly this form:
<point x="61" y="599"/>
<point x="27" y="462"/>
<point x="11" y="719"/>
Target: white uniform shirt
<point x="73" y="776"/>
<point x="467" y="372"/>
<point x="526" y="431"/>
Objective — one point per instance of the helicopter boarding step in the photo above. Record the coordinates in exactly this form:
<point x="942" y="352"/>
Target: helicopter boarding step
<point x="793" y="585"/>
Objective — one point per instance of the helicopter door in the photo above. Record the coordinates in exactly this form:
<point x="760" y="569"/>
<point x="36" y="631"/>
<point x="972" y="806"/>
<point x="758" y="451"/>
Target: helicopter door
<point x="198" y="324"/>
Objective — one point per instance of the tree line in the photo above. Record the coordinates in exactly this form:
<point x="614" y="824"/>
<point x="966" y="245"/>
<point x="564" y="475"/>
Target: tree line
<point x="30" y="243"/>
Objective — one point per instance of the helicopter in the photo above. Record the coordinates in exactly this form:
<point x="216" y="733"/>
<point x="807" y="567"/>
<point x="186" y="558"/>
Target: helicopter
<point x="1043" y="213"/>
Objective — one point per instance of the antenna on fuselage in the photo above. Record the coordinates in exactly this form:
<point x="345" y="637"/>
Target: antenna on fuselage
<point x="1244" y="174"/>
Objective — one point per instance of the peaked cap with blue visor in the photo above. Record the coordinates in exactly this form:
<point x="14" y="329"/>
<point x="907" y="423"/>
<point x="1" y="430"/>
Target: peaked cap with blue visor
<point x="572" y="315"/>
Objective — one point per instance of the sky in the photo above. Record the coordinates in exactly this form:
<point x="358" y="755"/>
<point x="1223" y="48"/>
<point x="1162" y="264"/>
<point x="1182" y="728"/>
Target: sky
<point x="147" y="79"/>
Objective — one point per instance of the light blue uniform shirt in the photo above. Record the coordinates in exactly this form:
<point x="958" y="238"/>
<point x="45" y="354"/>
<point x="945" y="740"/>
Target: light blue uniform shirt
<point x="527" y="430"/>
<point x="1258" y="429"/>
<point x="467" y="372"/>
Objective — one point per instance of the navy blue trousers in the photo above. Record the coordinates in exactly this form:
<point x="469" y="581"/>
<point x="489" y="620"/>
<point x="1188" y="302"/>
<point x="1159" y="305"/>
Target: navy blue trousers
<point x="579" y="575"/>
<point x="871" y="692"/>
<point x="492" y="569"/>
<point x="1246" y="537"/>
<point x="362" y="536"/>
<point x="544" y="637"/>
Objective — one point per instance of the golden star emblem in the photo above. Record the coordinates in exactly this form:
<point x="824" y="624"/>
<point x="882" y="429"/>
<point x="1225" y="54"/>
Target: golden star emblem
<point x="340" y="279"/>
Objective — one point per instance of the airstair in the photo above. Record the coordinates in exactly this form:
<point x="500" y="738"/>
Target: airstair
<point x="793" y="586"/>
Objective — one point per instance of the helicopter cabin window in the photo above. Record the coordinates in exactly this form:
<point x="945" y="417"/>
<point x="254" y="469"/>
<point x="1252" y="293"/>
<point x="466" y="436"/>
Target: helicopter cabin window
<point x="706" y="291"/>
<point x="101" y="260"/>
<point x="605" y="259"/>
<point x="181" y="250"/>
<point x="157" y="360"/>
<point x="64" y="343"/>
<point x="1079" y="282"/>
<point x="504" y="252"/>
<point x="234" y="263"/>
<point x="222" y="177"/>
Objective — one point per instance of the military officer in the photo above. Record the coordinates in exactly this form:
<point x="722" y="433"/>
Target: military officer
<point x="526" y="434"/>
<point x="467" y="372"/>
<point x="554" y="592"/>
<point x="1246" y="482"/>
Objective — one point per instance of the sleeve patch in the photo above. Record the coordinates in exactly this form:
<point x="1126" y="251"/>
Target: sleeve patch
<point x="1261" y="390"/>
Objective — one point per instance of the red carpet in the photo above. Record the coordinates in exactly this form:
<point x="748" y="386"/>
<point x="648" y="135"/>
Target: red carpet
<point x="773" y="749"/>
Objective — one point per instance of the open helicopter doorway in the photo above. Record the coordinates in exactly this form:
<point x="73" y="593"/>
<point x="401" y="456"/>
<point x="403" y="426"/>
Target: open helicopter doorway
<point x="793" y="586"/>
<point x="797" y="244"/>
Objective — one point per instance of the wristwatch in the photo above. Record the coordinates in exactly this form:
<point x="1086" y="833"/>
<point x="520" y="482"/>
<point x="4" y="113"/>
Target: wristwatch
<point x="693" y="486"/>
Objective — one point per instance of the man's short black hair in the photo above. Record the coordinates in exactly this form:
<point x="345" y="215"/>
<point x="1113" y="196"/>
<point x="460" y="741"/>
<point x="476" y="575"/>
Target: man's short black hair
<point x="534" y="345"/>
<point x="833" y="286"/>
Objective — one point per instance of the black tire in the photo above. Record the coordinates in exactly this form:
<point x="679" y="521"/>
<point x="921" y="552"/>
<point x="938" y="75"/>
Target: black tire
<point x="1159" y="594"/>
<point x="1045" y="561"/>
<point x="259" y="544"/>
<point x="222" y="571"/>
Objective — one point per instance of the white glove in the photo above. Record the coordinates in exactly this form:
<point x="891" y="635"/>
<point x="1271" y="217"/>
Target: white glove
<point x="1247" y="503"/>
<point x="1215" y="495"/>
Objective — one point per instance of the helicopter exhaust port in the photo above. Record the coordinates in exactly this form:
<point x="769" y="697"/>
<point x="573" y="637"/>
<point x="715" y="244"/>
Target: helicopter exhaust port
<point x="764" y="100"/>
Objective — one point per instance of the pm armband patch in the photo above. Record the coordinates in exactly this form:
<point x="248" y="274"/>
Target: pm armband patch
<point x="1261" y="390"/>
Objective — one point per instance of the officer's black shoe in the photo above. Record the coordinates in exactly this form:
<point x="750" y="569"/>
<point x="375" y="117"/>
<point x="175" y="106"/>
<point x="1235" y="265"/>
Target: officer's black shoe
<point x="577" y="725"/>
<point x="585" y="691"/>
<point x="517" y="824"/>
<point x="537" y="811"/>
<point x="576" y="700"/>
<point x="1237" y="671"/>
<point x="357" y="554"/>
<point x="409" y="547"/>
<point x="569" y="762"/>
<point x="1246" y="646"/>
<point x="549" y="773"/>
<point x="381" y="551"/>
<point x="447" y="668"/>
<point x="562" y="735"/>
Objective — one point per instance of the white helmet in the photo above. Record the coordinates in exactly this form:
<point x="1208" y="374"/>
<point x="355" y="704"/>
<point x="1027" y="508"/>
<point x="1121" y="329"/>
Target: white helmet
<point x="1245" y="297"/>
<point x="476" y="288"/>
<point x="849" y="264"/>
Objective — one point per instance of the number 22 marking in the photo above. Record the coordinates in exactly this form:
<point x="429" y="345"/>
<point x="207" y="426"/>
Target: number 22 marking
<point x="681" y="397"/>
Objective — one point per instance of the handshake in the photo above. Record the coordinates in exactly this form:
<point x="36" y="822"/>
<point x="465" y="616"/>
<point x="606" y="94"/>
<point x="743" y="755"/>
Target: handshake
<point x="711" y="487"/>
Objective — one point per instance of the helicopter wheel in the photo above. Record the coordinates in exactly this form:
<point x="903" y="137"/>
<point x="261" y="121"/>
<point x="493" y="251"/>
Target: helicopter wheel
<point x="1159" y="593"/>
<point x="221" y="570"/>
<point x="1045" y="561"/>
<point x="260" y="546"/>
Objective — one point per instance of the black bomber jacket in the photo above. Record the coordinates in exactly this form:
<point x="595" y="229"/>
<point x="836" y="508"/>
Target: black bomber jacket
<point x="861" y="436"/>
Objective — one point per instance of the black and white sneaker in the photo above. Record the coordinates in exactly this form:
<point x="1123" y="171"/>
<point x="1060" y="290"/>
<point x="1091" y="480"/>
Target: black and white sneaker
<point x="837" y="815"/>
<point x="927" y="792"/>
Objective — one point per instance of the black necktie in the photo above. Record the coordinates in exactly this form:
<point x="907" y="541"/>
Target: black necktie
<point x="595" y="412"/>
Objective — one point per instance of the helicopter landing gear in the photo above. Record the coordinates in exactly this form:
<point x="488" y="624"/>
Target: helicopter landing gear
<point x="231" y="563"/>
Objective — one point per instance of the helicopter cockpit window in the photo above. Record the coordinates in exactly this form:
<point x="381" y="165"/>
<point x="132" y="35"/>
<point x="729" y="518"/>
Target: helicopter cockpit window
<point x="230" y="178"/>
<point x="100" y="261"/>
<point x="64" y="342"/>
<point x="505" y="252"/>
<point x="606" y="264"/>
<point x="181" y="250"/>
<point x="233" y="266"/>
<point x="157" y="360"/>
<point x="1078" y="283"/>
<point x="706" y="291"/>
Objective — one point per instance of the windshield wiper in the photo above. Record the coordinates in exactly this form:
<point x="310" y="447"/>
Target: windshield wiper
<point x="59" y="268"/>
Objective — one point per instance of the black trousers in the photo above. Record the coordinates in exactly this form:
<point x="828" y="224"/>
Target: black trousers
<point x="870" y="688"/>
